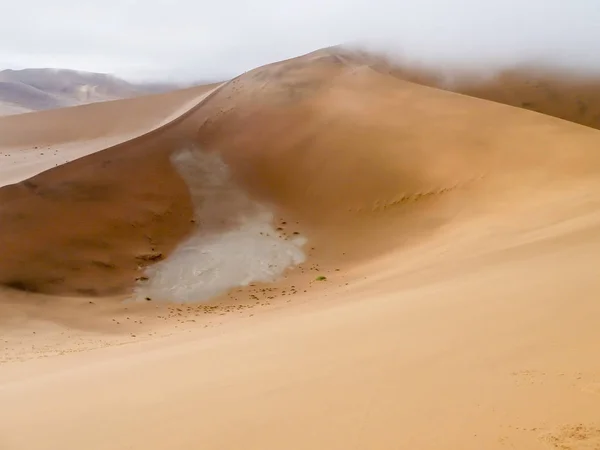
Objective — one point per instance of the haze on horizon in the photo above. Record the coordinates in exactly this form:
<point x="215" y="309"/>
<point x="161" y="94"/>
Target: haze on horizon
<point x="187" y="40"/>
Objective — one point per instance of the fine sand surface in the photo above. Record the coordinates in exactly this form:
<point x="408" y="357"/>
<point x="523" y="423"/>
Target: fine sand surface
<point x="39" y="141"/>
<point x="552" y="90"/>
<point x="315" y="255"/>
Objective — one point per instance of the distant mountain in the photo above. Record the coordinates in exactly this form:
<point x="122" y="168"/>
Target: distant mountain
<point x="38" y="89"/>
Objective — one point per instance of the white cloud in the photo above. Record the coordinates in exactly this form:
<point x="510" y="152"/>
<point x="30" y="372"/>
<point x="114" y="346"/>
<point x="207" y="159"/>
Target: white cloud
<point x="186" y="39"/>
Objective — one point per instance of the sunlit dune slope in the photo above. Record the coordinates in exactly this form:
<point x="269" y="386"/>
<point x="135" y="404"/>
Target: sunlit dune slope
<point x="93" y="121"/>
<point x="337" y="143"/>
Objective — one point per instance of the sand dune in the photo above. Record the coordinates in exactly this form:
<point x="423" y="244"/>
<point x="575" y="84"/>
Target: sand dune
<point x="542" y="88"/>
<point x="321" y="255"/>
<point x="28" y="146"/>
<point x="160" y="202"/>
<point x="98" y="120"/>
<point x="570" y="97"/>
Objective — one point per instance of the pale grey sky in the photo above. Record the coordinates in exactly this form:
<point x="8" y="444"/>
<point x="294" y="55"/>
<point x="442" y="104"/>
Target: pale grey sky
<point x="186" y="40"/>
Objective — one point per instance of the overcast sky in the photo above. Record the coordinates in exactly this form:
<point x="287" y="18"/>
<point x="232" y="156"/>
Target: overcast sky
<point x="185" y="40"/>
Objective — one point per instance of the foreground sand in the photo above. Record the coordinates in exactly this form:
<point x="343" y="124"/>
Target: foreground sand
<point x="495" y="349"/>
<point x="459" y="309"/>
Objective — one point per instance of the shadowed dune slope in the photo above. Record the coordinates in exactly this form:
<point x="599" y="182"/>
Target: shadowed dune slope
<point x="563" y="95"/>
<point x="361" y="161"/>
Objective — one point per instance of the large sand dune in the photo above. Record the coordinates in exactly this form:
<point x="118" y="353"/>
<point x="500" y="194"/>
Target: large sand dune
<point x="316" y="254"/>
<point x="573" y="95"/>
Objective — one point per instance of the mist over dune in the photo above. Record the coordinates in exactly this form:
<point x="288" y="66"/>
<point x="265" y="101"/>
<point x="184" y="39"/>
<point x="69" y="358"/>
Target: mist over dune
<point x="566" y="92"/>
<point x="208" y="41"/>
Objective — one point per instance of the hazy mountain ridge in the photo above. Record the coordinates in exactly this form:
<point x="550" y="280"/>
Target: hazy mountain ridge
<point x="29" y="90"/>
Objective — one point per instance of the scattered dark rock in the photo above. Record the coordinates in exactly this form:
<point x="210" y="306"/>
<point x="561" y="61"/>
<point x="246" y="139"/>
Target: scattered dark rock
<point x="153" y="256"/>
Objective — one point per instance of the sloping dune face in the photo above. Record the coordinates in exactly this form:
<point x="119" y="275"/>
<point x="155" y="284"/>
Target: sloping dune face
<point x="32" y="143"/>
<point x="554" y="91"/>
<point x="575" y="98"/>
<point x="359" y="161"/>
<point x="83" y="228"/>
<point x="413" y="269"/>
<point x="96" y="218"/>
<point x="347" y="149"/>
<point x="94" y="121"/>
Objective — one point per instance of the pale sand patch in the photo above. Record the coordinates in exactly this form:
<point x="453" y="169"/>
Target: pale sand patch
<point x="235" y="242"/>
